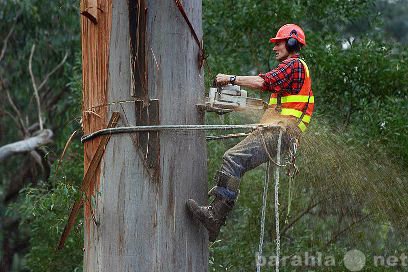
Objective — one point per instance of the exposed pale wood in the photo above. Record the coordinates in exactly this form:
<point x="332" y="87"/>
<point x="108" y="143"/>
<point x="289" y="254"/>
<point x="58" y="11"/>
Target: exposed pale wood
<point x="27" y="145"/>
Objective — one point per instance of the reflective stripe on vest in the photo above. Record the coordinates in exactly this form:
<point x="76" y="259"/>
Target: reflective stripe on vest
<point x="292" y="99"/>
<point x="294" y="109"/>
<point x="296" y="113"/>
<point x="302" y="126"/>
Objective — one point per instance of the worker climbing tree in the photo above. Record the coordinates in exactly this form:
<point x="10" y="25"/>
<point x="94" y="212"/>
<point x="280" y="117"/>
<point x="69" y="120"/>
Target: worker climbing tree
<point x="289" y="112"/>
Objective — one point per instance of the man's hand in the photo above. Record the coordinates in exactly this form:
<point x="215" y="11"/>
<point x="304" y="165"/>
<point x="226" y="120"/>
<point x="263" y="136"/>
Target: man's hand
<point x="222" y="80"/>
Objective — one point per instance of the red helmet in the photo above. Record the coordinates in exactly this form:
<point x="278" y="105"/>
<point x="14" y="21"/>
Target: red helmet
<point x="290" y="31"/>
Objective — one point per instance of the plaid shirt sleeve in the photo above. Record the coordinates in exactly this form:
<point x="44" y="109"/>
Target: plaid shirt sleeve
<point x="288" y="77"/>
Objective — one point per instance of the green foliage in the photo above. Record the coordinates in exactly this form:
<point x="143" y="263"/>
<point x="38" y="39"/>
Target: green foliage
<point x="351" y="158"/>
<point x="366" y="91"/>
<point x="352" y="155"/>
<point x="44" y="213"/>
<point x="42" y="207"/>
<point x="54" y="31"/>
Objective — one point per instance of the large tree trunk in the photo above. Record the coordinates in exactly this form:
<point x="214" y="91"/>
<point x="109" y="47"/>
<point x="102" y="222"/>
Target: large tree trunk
<point x="144" y="51"/>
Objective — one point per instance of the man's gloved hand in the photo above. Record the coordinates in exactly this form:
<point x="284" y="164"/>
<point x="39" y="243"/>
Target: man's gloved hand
<point x="222" y="80"/>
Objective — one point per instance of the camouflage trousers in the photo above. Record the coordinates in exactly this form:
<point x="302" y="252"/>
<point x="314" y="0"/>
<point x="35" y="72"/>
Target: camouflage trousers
<point x="257" y="148"/>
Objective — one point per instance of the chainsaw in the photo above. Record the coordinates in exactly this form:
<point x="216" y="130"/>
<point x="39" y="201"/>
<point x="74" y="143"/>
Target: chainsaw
<point x="231" y="98"/>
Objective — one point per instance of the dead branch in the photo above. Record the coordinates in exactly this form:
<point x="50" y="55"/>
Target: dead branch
<point x="33" y="127"/>
<point x="65" y="150"/>
<point x="53" y="100"/>
<point x="300" y="215"/>
<point x="37" y="97"/>
<point x="26" y="145"/>
<point x="59" y="65"/>
<point x="37" y="158"/>
<point x="338" y="234"/>
<point x="12" y="117"/>
<point x="36" y="87"/>
<point x="5" y="41"/>
<point x="18" y="113"/>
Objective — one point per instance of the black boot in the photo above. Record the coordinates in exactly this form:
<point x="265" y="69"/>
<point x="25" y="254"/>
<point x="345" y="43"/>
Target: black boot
<point x="214" y="215"/>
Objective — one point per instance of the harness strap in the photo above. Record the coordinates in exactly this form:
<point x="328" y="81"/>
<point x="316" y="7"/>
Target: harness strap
<point x="278" y="107"/>
<point x="308" y="99"/>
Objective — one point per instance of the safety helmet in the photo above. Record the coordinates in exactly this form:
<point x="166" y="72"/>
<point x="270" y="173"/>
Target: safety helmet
<point x="289" y="31"/>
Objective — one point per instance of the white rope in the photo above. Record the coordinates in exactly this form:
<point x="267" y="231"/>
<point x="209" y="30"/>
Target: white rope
<point x="278" y="160"/>
<point x="264" y="198"/>
<point x="261" y="236"/>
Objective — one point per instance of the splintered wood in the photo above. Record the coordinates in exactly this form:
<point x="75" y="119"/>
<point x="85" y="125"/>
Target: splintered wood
<point x="95" y="63"/>
<point x="89" y="175"/>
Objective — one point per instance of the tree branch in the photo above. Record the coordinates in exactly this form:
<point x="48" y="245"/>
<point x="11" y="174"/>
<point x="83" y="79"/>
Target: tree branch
<point x="37" y="158"/>
<point x="12" y="117"/>
<point x="59" y="65"/>
<point x="37" y="97"/>
<point x="26" y="145"/>
<point x="42" y="84"/>
<point x="336" y="235"/>
<point x="5" y="41"/>
<point x="18" y="113"/>
<point x="300" y="215"/>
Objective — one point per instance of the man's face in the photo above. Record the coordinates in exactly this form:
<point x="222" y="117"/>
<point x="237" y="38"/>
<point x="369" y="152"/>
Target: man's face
<point x="281" y="53"/>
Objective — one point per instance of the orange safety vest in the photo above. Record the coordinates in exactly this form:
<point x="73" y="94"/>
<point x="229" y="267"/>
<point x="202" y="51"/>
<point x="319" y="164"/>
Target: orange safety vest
<point x="300" y="105"/>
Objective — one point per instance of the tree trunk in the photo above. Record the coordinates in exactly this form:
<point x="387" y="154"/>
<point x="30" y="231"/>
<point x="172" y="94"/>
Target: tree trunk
<point x="135" y="216"/>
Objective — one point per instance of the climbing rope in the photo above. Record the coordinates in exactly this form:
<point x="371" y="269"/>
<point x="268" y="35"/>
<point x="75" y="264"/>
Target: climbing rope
<point x="278" y="159"/>
<point x="261" y="236"/>
<point x="277" y="163"/>
<point x="227" y="136"/>
<point x="291" y="173"/>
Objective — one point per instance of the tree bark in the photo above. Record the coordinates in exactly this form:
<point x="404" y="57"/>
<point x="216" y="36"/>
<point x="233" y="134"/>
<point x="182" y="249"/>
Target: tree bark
<point x="145" y="179"/>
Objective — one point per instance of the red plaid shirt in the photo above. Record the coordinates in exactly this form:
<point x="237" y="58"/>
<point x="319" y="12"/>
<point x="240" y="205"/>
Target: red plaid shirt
<point x="288" y="76"/>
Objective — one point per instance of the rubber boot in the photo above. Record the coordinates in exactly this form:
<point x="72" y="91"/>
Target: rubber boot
<point x="214" y="215"/>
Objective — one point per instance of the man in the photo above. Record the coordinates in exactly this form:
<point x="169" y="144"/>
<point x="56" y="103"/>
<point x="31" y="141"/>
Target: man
<point x="290" y="109"/>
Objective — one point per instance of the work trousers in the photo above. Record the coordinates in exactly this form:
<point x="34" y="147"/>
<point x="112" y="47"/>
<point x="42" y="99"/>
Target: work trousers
<point x="254" y="149"/>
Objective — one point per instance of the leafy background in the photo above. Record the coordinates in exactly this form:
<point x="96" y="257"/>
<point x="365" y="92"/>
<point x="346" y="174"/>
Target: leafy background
<point x="351" y="191"/>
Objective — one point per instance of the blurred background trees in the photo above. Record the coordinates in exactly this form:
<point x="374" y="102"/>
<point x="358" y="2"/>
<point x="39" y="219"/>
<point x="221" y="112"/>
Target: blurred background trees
<point x="40" y="75"/>
<point x="351" y="192"/>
